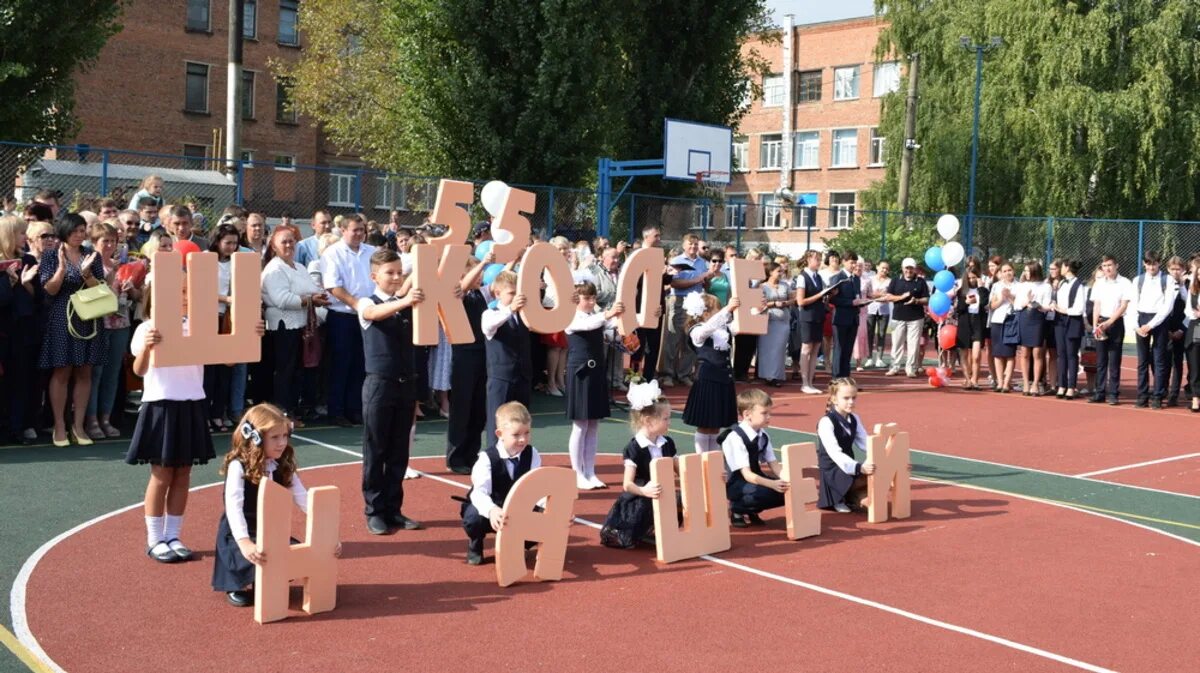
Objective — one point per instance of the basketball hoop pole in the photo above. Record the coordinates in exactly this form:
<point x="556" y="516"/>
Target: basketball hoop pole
<point x="609" y="169"/>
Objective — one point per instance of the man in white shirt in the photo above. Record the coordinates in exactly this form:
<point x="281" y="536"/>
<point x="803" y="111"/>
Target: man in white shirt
<point x="1111" y="296"/>
<point x="678" y="360"/>
<point x="346" y="272"/>
<point x="306" y="250"/>
<point x="606" y="271"/>
<point x="1154" y="293"/>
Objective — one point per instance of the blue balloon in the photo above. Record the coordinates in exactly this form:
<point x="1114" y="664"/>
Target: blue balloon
<point x="482" y="250"/>
<point x="939" y="303"/>
<point x="933" y="258"/>
<point x="492" y="270"/>
<point x="944" y="280"/>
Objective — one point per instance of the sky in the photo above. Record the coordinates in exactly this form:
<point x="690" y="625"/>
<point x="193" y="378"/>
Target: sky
<point x="813" y="11"/>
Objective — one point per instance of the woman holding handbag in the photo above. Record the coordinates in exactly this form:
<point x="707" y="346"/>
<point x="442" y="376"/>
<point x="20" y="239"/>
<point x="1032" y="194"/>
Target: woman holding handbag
<point x="288" y="293"/>
<point x="106" y="376"/>
<point x="1006" y="333"/>
<point x="72" y="345"/>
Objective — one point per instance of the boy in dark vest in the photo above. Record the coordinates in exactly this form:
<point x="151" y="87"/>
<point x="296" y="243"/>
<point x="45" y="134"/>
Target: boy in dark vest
<point x="389" y="392"/>
<point x="496" y="470"/>
<point x="468" y="377"/>
<point x="749" y="487"/>
<point x="509" y="365"/>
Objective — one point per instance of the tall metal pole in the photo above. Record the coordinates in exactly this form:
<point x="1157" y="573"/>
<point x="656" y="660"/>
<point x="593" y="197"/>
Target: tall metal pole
<point x="910" y="132"/>
<point x="233" y="89"/>
<point x="974" y="149"/>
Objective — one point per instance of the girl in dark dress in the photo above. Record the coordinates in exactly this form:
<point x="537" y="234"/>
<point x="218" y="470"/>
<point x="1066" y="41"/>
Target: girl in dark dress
<point x="586" y="383"/>
<point x="712" y="400"/>
<point x="840" y="431"/>
<point x="261" y="449"/>
<point x="971" y="308"/>
<point x="632" y="516"/>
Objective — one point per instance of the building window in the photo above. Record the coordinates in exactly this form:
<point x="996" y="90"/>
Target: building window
<point x="841" y="210"/>
<point x="194" y="157"/>
<point x="771" y="211"/>
<point x="770" y="151"/>
<point x="196" y="96"/>
<point x="250" y="19"/>
<point x="247" y="94"/>
<point x="845" y="83"/>
<point x="806" y="209"/>
<point x="878" y="145"/>
<point x="887" y="78"/>
<point x="807" y="149"/>
<point x="247" y="159"/>
<point x="773" y="91"/>
<point x="845" y="148"/>
<point x="341" y="189"/>
<point x="198" y="15"/>
<point x="741" y="153"/>
<point x="809" y="88"/>
<point x="747" y="95"/>
<point x="385" y="192"/>
<point x="284" y="110"/>
<point x="285" y="162"/>
<point x="288" y="33"/>
<point x="737" y="206"/>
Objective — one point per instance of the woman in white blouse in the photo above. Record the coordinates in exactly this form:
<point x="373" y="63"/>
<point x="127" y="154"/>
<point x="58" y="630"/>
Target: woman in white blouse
<point x="1003" y="291"/>
<point x="1032" y="302"/>
<point x="287" y="291"/>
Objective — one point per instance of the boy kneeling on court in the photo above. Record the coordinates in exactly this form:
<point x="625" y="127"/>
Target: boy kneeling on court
<point x="496" y="470"/>
<point x="750" y="487"/>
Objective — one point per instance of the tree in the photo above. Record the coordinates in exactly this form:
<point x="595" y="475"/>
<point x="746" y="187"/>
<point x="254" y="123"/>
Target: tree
<point x="1089" y="108"/>
<point x="529" y="91"/>
<point x="42" y="44"/>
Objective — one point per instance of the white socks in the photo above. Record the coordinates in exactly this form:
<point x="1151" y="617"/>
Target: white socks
<point x="582" y="446"/>
<point x="173" y="526"/>
<point x="705" y="442"/>
<point x="154" y="530"/>
<point x="575" y="446"/>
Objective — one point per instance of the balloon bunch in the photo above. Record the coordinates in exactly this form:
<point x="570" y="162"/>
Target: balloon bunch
<point x="492" y="197"/>
<point x="938" y="376"/>
<point x="939" y="258"/>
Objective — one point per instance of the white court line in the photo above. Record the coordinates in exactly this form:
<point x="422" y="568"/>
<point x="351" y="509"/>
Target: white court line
<point x="1135" y="465"/>
<point x="937" y="623"/>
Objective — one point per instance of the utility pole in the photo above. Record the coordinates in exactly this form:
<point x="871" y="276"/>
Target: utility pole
<point x="979" y="49"/>
<point x="910" y="132"/>
<point x="233" y="88"/>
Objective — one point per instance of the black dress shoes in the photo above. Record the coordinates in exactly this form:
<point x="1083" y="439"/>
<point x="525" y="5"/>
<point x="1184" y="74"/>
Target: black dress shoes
<point x="240" y="599"/>
<point x="402" y="522"/>
<point x="162" y="553"/>
<point x="755" y="520"/>
<point x="377" y="525"/>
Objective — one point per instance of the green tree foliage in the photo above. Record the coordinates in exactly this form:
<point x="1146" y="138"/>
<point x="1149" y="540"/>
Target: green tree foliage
<point x="1090" y="108"/>
<point x="532" y="91"/>
<point x="42" y="44"/>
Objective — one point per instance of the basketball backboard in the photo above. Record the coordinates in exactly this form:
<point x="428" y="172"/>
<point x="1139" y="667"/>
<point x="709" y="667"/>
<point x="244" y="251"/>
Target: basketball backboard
<point x="691" y="147"/>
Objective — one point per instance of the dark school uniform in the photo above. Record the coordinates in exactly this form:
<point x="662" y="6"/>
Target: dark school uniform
<point x="1152" y="348"/>
<point x="632" y="516"/>
<point x="231" y="570"/>
<point x="587" y="383"/>
<point x="1068" y="332"/>
<point x="812" y="317"/>
<point x="745" y="447"/>
<point x="845" y="321"/>
<point x="1176" y="348"/>
<point x="712" y="399"/>
<point x="972" y="327"/>
<point x="509" y="366"/>
<point x="492" y="478"/>
<point x="468" y="390"/>
<point x="836" y="480"/>
<point x="389" y="398"/>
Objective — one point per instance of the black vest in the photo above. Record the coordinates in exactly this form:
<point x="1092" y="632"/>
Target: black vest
<point x="844" y="433"/>
<point x="388" y="346"/>
<point x="250" y="502"/>
<point x="641" y="458"/>
<point x="585" y="347"/>
<point x="714" y="364"/>
<point x="501" y="482"/>
<point x="475" y="305"/>
<point x="752" y="449"/>
<point x="508" y="356"/>
<point x="814" y="312"/>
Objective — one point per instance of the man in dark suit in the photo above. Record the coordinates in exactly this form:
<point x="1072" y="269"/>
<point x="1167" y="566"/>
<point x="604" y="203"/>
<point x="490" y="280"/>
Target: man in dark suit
<point x="846" y="299"/>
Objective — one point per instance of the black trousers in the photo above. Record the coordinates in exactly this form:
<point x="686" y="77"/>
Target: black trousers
<point x="1108" y="361"/>
<point x="346" y="365"/>
<point x="499" y="392"/>
<point x="216" y="388"/>
<point x="1193" y="362"/>
<point x="1151" y="351"/>
<point x="468" y="407"/>
<point x="744" y="348"/>
<point x="476" y="525"/>
<point x="747" y="498"/>
<point x="388" y="410"/>
<point x="1175" y="356"/>
<point x="843" y="347"/>
<point x="651" y="340"/>
<point x="285" y="351"/>
<point x="1068" y="353"/>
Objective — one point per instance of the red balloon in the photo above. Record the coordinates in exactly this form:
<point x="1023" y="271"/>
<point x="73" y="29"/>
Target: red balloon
<point x="948" y="337"/>
<point x="186" y="247"/>
<point x="935" y="382"/>
<point x="931" y="372"/>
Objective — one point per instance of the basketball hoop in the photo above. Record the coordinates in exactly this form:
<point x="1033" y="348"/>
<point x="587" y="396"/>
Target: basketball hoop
<point x="712" y="183"/>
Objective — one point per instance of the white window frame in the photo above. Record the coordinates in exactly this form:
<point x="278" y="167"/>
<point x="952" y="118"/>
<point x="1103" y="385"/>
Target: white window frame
<point x="837" y="158"/>
<point x="740" y="153"/>
<point x="736" y="207"/>
<point x="770" y="212"/>
<point x="336" y="182"/>
<point x="773" y="90"/>
<point x="802" y="141"/>
<point x="207" y="82"/>
<point x="839" y="213"/>
<point x="878" y="148"/>
<point x="385" y="192"/>
<point x="247" y="159"/>
<point x="799" y="80"/>
<point x="840" y="83"/>
<point x="805" y="222"/>
<point x="892" y="81"/>
<point x="764" y="151"/>
<point x="253" y="13"/>
<point x="289" y="167"/>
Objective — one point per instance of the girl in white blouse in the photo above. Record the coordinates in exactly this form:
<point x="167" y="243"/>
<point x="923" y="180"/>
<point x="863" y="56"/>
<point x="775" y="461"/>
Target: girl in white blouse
<point x="287" y="292"/>
<point x="1003" y="292"/>
<point x="1032" y="302"/>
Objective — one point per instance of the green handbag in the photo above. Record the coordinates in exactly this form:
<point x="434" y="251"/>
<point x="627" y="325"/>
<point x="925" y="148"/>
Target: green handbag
<point x="90" y="303"/>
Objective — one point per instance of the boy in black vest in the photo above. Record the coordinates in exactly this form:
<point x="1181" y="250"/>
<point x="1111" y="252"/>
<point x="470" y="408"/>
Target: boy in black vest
<point x="496" y="470"/>
<point x="468" y="376"/>
<point x="509" y="365"/>
<point x="749" y="487"/>
<point x="389" y="392"/>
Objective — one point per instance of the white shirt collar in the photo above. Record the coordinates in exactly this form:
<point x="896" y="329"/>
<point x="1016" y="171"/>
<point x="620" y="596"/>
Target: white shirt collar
<point x="751" y="433"/>
<point x="381" y="294"/>
<point x="644" y="441"/>
<point x="503" y="451"/>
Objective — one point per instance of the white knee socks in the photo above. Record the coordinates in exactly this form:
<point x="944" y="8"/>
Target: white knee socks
<point x="575" y="446"/>
<point x="584" y="441"/>
<point x="155" y="526"/>
<point x="173" y="525"/>
<point x="591" y="442"/>
<point x="705" y="442"/>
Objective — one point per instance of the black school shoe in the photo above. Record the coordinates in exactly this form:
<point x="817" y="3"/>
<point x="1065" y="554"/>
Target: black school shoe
<point x="164" y="555"/>
<point x="755" y="520"/>
<point x="377" y="525"/>
<point x="180" y="549"/>
<point x="401" y="522"/>
<point x="737" y="520"/>
<point x="1156" y="403"/>
<point x="240" y="599"/>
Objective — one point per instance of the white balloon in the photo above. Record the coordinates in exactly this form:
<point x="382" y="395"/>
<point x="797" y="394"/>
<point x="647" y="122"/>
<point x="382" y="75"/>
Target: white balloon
<point x="952" y="252"/>
<point x="947" y="227"/>
<point x="492" y="196"/>
<point x="501" y="236"/>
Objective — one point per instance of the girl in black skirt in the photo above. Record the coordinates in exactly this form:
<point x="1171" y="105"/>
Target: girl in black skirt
<point x="632" y="515"/>
<point x="586" y="382"/>
<point x="1033" y="299"/>
<point x="840" y="431"/>
<point x="1005" y="335"/>
<point x="971" y="308"/>
<point x="261" y="449"/>
<point x="712" y="400"/>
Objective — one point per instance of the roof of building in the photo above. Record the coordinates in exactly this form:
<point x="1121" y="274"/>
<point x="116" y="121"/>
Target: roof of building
<point x="92" y="169"/>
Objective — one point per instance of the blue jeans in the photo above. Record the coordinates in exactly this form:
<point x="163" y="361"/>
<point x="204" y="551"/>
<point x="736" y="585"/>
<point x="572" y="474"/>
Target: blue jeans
<point x="237" y="392"/>
<point x="106" y="377"/>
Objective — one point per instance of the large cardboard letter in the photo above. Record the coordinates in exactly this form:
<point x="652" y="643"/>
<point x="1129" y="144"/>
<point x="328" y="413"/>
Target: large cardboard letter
<point x="313" y="562"/>
<point x="202" y="345"/>
<point x="542" y="256"/>
<point x="705" y="508"/>
<point x="801" y="521"/>
<point x="514" y="225"/>
<point x="647" y="265"/>
<point x="438" y="281"/>
<point x="887" y="447"/>
<point x="454" y="197"/>
<point x="746" y="319"/>
<point x="549" y="528"/>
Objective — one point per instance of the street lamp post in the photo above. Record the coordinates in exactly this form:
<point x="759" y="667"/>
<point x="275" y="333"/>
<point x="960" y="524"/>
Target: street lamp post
<point x="979" y="50"/>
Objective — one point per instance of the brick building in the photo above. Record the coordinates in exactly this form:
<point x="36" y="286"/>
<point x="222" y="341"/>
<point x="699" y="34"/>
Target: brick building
<point x="814" y="132"/>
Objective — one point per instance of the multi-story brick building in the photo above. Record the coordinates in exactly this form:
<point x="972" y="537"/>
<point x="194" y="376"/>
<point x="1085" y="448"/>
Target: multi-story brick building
<point x="813" y="132"/>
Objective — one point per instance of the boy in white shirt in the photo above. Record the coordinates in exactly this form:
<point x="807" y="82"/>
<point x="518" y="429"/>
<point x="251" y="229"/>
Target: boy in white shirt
<point x="495" y="472"/>
<point x="750" y="488"/>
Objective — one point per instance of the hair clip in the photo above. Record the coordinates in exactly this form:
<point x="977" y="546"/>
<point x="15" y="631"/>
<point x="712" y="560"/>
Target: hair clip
<point x="251" y="433"/>
<point x="693" y="304"/>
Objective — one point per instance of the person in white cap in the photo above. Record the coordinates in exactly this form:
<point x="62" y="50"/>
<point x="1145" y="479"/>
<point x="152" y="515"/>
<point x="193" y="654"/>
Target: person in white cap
<point x="908" y="294"/>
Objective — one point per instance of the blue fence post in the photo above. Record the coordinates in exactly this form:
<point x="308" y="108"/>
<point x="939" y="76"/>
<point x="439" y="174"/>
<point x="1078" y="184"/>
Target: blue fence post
<point x="104" y="173"/>
<point x="1049" y="241"/>
<point x="883" y="237"/>
<point x="602" y="197"/>
<point x="358" y="184"/>
<point x="1141" y="243"/>
<point x="632" y="215"/>
<point x="240" y="197"/>
<point x="550" y="215"/>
